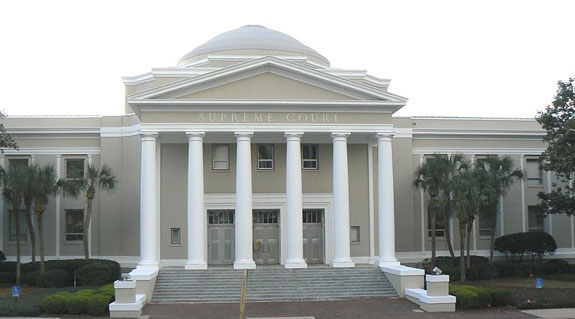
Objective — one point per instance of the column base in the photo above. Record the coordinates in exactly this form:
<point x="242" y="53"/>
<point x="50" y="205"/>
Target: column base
<point x="196" y="265"/>
<point x="244" y="264"/>
<point x="342" y="263"/>
<point x="295" y="264"/>
<point x="148" y="265"/>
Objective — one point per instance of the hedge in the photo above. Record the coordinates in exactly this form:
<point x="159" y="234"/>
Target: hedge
<point x="534" y="244"/>
<point x="9" y="308"/>
<point x="98" y="273"/>
<point x="7" y="277"/>
<point x="471" y="297"/>
<point x="85" y="301"/>
<point x="55" y="278"/>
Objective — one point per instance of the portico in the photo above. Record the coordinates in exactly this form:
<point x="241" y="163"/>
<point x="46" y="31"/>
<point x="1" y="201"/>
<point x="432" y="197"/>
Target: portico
<point x="290" y="204"/>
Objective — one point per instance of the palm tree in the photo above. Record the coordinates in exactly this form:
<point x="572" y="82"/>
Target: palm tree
<point x="95" y="178"/>
<point x="13" y="183"/>
<point x="29" y="175"/>
<point x="45" y="186"/>
<point x="500" y="174"/>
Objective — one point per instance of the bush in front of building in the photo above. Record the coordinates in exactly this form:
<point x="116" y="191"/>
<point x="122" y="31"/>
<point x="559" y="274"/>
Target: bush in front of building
<point x="55" y="278"/>
<point x="9" y="308"/>
<point x="98" y="273"/>
<point x="471" y="297"/>
<point x="7" y="277"/>
<point x="86" y="301"/>
<point x="530" y="244"/>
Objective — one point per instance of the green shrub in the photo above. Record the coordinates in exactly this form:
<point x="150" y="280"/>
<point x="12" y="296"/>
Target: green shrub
<point x="534" y="244"/>
<point x="76" y="304"/>
<point x="8" y="277"/>
<point x="56" y="303"/>
<point x="86" y="292"/>
<point x="29" y="267"/>
<point x="482" y="271"/>
<point x="500" y="297"/>
<point x="9" y="308"/>
<point x="29" y="278"/>
<point x="8" y="266"/>
<point x="108" y="289"/>
<point x="97" y="273"/>
<point x="466" y="298"/>
<point x="55" y="278"/>
<point x="560" y="266"/>
<point x="98" y="304"/>
<point x="484" y="297"/>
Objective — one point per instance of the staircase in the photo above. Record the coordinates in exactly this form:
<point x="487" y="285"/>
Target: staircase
<point x="223" y="285"/>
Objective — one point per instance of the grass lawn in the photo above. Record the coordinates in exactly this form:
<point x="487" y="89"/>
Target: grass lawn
<point x="558" y="290"/>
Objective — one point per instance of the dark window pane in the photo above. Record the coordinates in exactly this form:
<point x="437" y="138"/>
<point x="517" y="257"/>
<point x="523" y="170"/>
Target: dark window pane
<point x="74" y="168"/>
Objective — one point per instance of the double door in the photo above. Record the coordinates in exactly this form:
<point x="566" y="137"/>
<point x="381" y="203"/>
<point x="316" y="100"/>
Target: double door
<point x="313" y="234"/>
<point x="266" y="234"/>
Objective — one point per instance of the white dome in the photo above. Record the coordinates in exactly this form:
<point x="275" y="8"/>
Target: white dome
<point x="253" y="38"/>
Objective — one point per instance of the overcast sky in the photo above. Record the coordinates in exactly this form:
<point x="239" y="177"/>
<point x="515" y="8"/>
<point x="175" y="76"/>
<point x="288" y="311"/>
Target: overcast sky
<point x="450" y="58"/>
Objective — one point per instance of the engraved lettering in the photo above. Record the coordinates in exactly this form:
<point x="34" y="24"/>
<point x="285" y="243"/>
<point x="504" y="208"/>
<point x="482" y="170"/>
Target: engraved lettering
<point x="245" y="117"/>
<point x="325" y="118"/>
<point x="290" y="117"/>
<point x="235" y="117"/>
<point x="270" y="117"/>
<point x="202" y="118"/>
<point x="302" y="117"/>
<point x="259" y="117"/>
<point x="335" y="118"/>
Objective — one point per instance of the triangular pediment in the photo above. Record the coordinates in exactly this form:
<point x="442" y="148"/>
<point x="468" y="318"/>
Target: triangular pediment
<point x="267" y="79"/>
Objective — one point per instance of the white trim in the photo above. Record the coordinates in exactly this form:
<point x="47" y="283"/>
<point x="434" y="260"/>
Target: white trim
<point x="403" y="132"/>
<point x="483" y="151"/>
<point x="53" y="151"/>
<point x="370" y="187"/>
<point x="279" y="127"/>
<point x="463" y="118"/>
<point x="401" y="270"/>
<point x="92" y="217"/>
<point x="474" y="226"/>
<point x="523" y="212"/>
<point x="437" y="278"/>
<point x="58" y="206"/>
<point x="120" y="131"/>
<point x="2" y="230"/>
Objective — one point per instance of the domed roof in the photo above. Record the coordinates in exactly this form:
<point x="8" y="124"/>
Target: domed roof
<point x="254" y="38"/>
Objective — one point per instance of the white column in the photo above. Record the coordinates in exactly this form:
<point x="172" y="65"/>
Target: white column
<point x="58" y="204"/>
<point x="149" y="255"/>
<point x="294" y="202"/>
<point x="341" y="249"/>
<point x="243" y="220"/>
<point x="385" y="201"/>
<point x="196" y="213"/>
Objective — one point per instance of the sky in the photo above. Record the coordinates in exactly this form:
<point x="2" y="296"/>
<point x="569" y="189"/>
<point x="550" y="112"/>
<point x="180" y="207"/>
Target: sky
<point x="450" y="58"/>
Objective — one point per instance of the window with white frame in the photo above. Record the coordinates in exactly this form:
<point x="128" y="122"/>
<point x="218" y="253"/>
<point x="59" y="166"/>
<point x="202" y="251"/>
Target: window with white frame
<point x="220" y="156"/>
<point x="74" y="168"/>
<point x="535" y="219"/>
<point x="534" y="172"/>
<point x="354" y="234"/>
<point x="176" y="236"/>
<point x="23" y="227"/>
<point x="74" y="224"/>
<point x="18" y="162"/>
<point x="310" y="156"/>
<point x="266" y="156"/>
<point x="484" y="226"/>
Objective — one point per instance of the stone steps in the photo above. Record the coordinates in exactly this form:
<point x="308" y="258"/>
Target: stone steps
<point x="219" y="285"/>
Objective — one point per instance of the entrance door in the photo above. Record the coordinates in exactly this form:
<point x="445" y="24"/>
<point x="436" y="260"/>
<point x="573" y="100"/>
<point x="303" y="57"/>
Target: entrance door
<point x="221" y="237"/>
<point x="266" y="236"/>
<point x="313" y="236"/>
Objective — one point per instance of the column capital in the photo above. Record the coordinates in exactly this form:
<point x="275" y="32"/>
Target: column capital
<point x="195" y="135"/>
<point x="149" y="135"/>
<point x="293" y="135"/>
<point x="244" y="135"/>
<point x="340" y="135"/>
<point x="386" y="136"/>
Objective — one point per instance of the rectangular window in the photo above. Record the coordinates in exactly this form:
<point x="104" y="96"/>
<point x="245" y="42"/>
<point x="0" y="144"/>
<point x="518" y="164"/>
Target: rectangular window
<point x="535" y="219"/>
<point x="266" y="156"/>
<point x="74" y="168"/>
<point x="310" y="156"/>
<point x="221" y="216"/>
<point x="23" y="226"/>
<point x="74" y="224"/>
<point x="312" y="216"/>
<point x="354" y="234"/>
<point x="439" y="224"/>
<point x="220" y="156"/>
<point x="484" y="226"/>
<point x="266" y="216"/>
<point x="176" y="236"/>
<point x="18" y="162"/>
<point x="534" y="172"/>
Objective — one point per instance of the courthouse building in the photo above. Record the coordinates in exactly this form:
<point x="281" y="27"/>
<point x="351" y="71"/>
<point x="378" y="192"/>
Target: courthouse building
<point x="253" y="150"/>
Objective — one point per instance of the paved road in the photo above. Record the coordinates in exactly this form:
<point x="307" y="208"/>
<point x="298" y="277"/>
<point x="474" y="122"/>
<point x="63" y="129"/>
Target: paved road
<point x="372" y="308"/>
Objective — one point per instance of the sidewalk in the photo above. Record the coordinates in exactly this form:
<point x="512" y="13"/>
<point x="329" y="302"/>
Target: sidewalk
<point x="562" y="313"/>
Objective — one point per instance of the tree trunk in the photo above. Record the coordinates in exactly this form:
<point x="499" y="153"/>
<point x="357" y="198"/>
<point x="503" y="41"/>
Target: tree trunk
<point x="447" y="234"/>
<point x="462" y="233"/>
<point x="468" y="243"/>
<point x="16" y="209"/>
<point x="86" y="228"/>
<point x="39" y="223"/>
<point x="491" y="245"/>
<point x="433" y="237"/>
<point x="31" y="230"/>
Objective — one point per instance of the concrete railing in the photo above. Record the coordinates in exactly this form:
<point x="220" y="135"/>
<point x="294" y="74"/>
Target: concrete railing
<point x="133" y="294"/>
